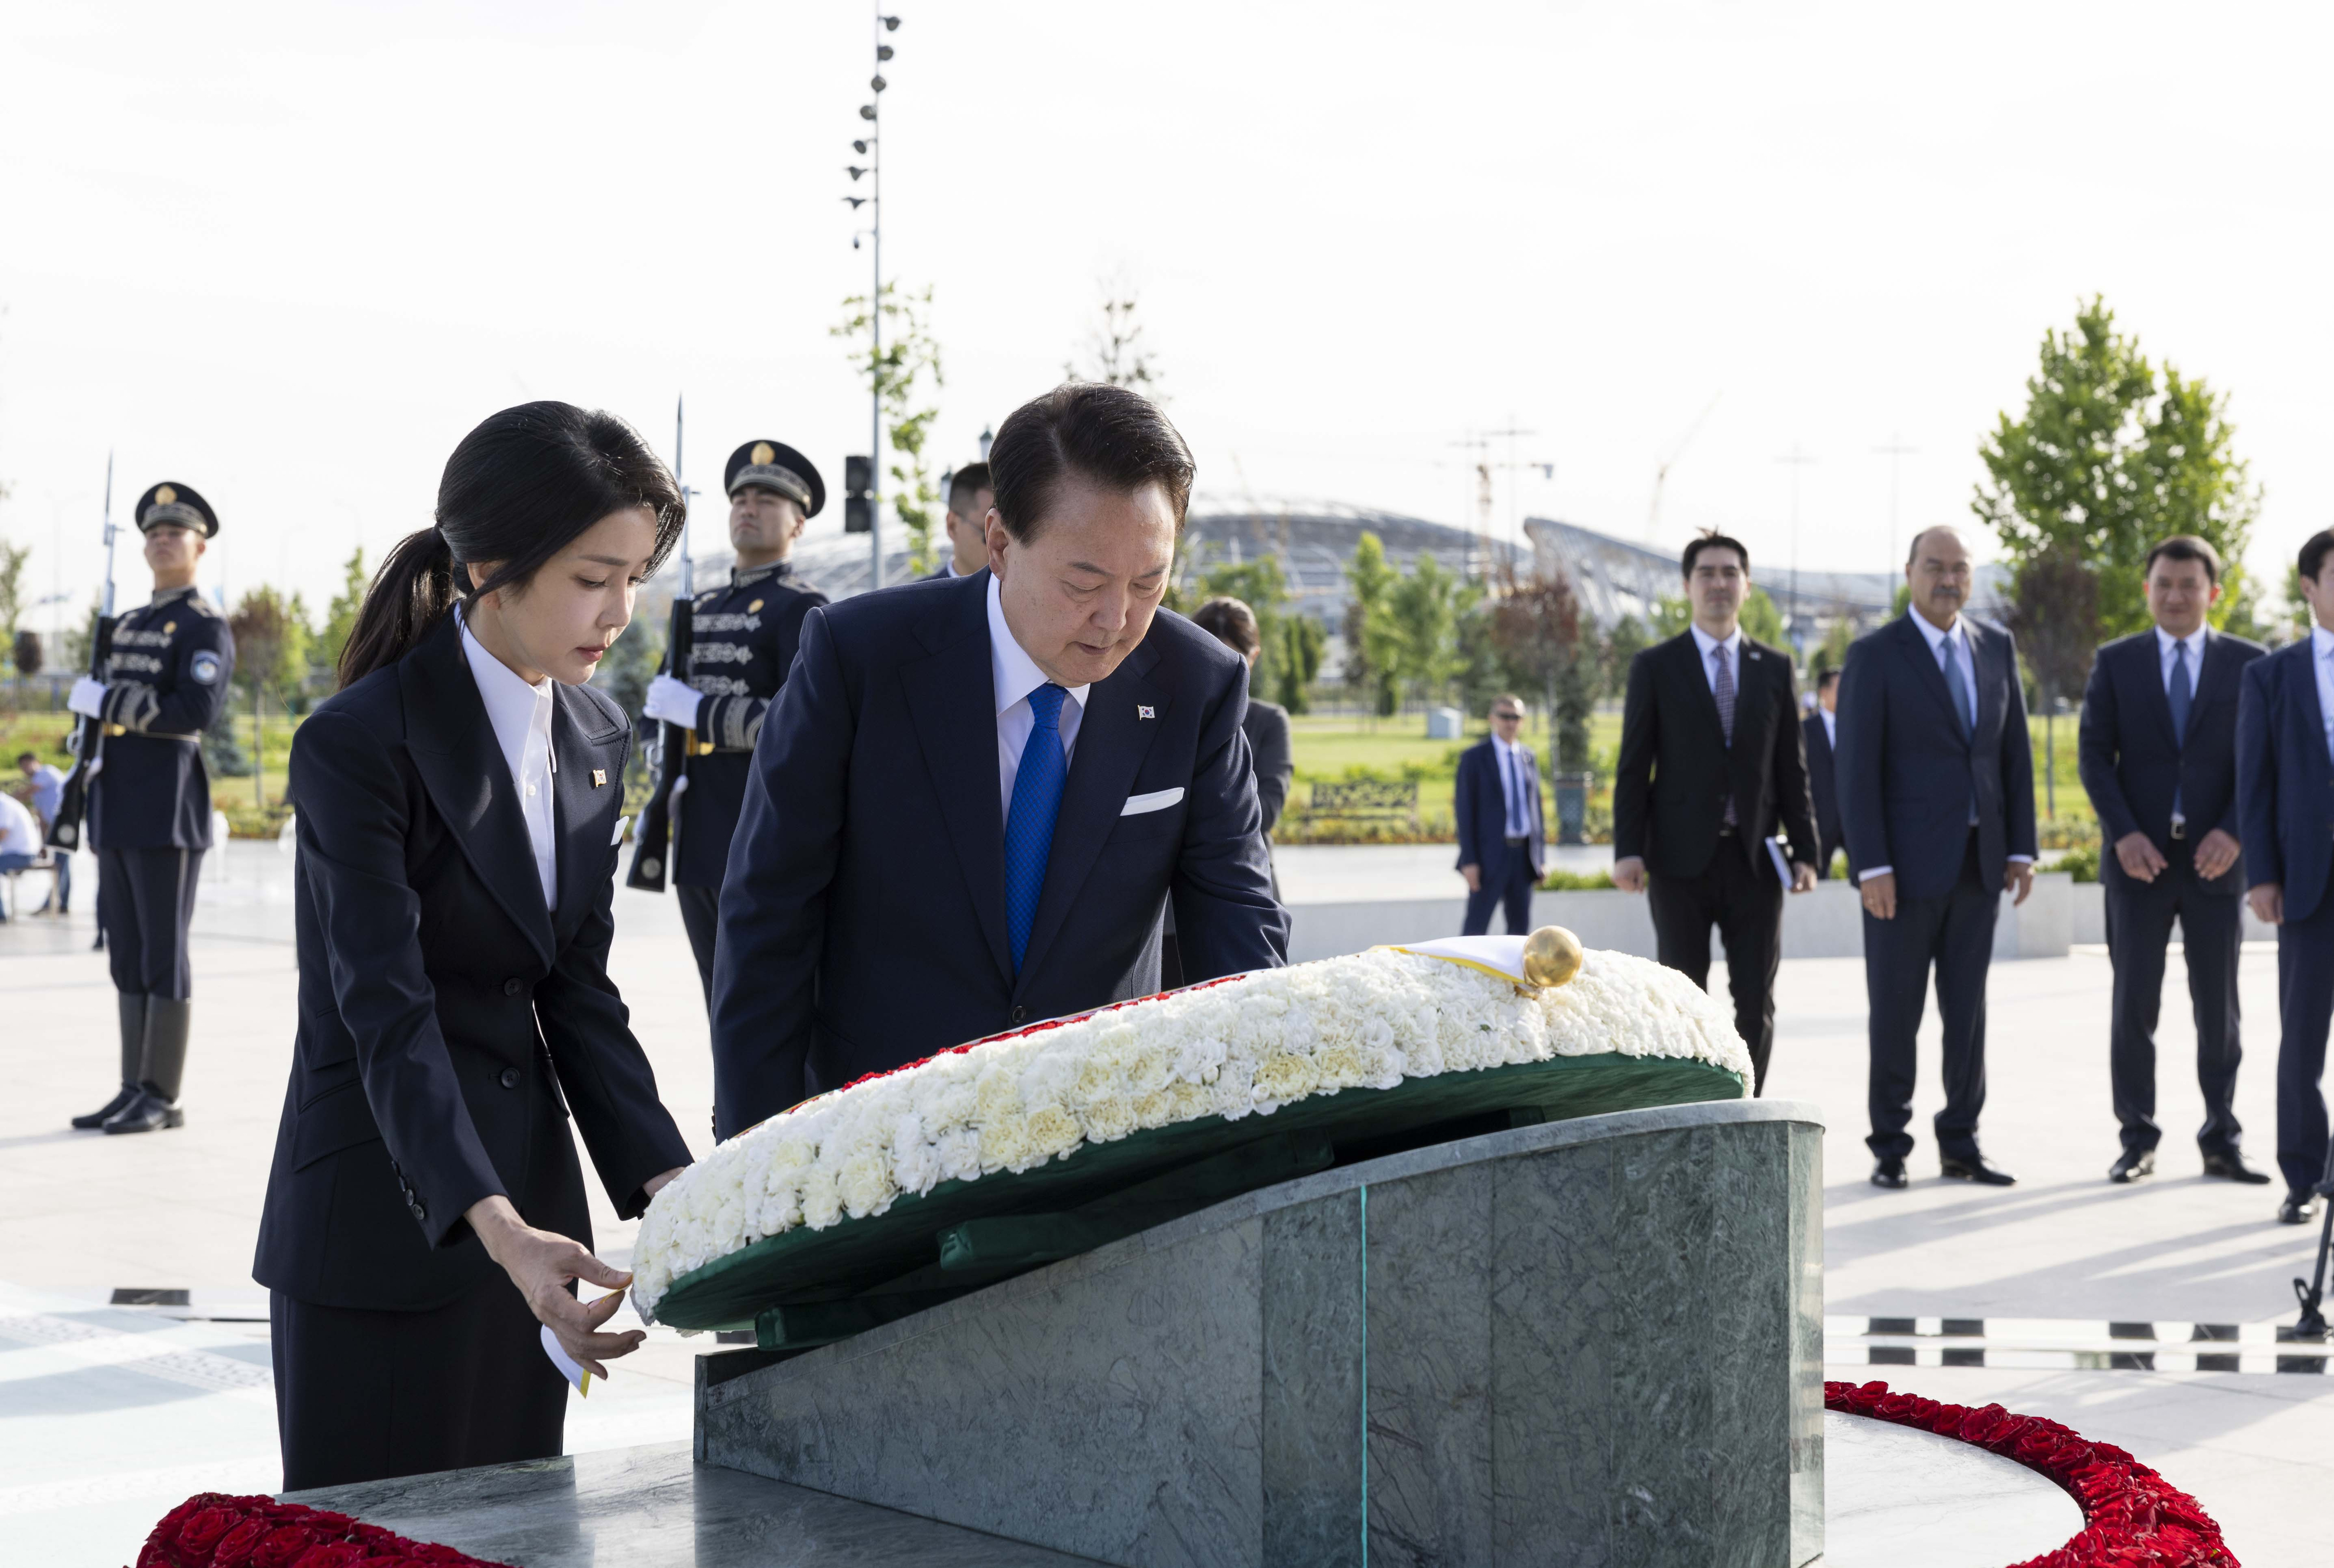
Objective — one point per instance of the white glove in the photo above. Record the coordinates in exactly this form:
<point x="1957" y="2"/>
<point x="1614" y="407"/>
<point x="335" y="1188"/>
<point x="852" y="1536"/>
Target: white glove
<point x="673" y="701"/>
<point x="88" y="698"/>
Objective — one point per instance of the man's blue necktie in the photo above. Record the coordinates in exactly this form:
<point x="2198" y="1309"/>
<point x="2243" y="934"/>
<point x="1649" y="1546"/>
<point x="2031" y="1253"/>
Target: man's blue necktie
<point x="1519" y="807"/>
<point x="1029" y="825"/>
<point x="2180" y="696"/>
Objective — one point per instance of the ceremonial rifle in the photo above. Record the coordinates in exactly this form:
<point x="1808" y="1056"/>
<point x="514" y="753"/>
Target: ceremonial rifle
<point x="652" y="839"/>
<point x="89" y="738"/>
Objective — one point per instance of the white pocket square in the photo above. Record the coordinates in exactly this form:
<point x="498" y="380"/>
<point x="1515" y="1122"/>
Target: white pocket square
<point x="1156" y="800"/>
<point x="621" y="823"/>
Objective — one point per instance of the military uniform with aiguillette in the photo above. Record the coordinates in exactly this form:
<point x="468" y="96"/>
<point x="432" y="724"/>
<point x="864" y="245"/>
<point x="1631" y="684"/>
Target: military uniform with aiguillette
<point x="150" y="818"/>
<point x="743" y="641"/>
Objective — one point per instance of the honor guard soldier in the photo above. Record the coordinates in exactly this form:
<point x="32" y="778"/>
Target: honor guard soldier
<point x="150" y="815"/>
<point x="743" y="641"/>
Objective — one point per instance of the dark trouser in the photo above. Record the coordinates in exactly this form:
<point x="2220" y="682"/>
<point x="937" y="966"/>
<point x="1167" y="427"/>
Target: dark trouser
<point x="2305" y="1006"/>
<point x="1511" y="887"/>
<point x="1747" y="908"/>
<point x="364" y="1396"/>
<point x="701" y="912"/>
<point x="1953" y="931"/>
<point x="2139" y="925"/>
<point x="146" y="898"/>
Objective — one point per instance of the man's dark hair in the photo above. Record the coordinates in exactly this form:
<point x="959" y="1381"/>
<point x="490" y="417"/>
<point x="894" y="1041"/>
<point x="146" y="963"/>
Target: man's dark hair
<point x="970" y="480"/>
<point x="2185" y="547"/>
<point x="1829" y="678"/>
<point x="24" y="756"/>
<point x="1708" y="539"/>
<point x="1102" y="434"/>
<point x="1231" y="622"/>
<point x="2313" y="551"/>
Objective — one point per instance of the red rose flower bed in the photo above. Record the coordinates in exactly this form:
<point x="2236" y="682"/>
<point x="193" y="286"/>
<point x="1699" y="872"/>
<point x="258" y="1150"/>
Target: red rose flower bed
<point x="213" y="1530"/>
<point x="2133" y="1517"/>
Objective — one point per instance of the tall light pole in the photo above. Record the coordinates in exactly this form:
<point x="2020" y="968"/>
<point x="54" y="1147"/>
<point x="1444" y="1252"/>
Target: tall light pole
<point x="1797" y="460"/>
<point x="1895" y="451"/>
<point x="872" y="147"/>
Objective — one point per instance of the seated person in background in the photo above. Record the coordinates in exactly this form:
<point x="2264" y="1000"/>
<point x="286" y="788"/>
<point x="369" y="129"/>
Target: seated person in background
<point x="48" y="795"/>
<point x="19" y="840"/>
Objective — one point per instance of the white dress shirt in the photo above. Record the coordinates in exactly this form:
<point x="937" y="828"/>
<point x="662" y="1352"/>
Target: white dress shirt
<point x="1831" y="726"/>
<point x="952" y="570"/>
<point x="1016" y="675"/>
<point x="1733" y="646"/>
<point x="1517" y="823"/>
<point x="1952" y="643"/>
<point x="521" y="717"/>
<point x="19" y="834"/>
<point x="2321" y="660"/>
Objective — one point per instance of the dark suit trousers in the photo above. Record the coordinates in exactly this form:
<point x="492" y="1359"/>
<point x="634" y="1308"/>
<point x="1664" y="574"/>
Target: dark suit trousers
<point x="366" y="1396"/>
<point x="2139" y="925"/>
<point x="701" y="916"/>
<point x="146" y="900"/>
<point x="1953" y="932"/>
<point x="2305" y="1004"/>
<point x="1747" y="908"/>
<point x="1514" y="889"/>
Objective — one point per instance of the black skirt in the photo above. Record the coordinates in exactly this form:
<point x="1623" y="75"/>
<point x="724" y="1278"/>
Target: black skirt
<point x="366" y="1396"/>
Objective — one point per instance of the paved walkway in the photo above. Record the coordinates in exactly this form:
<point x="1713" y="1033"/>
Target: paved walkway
<point x="109" y="1414"/>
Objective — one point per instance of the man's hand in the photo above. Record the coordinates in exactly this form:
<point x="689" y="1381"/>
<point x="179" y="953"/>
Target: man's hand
<point x="2269" y="904"/>
<point x="2018" y="876"/>
<point x="88" y="698"/>
<point x="1879" y="896"/>
<point x="663" y="1180"/>
<point x="541" y="1263"/>
<point x="2216" y="851"/>
<point x="673" y="701"/>
<point x="2140" y="859"/>
<point x="1803" y="877"/>
<point x="1629" y="874"/>
<point x="1475" y="875"/>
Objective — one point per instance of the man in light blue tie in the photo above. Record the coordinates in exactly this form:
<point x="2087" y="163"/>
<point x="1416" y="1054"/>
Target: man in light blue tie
<point x="1502" y="841"/>
<point x="975" y="797"/>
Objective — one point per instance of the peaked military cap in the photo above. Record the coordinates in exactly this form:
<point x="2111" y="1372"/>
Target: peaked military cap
<point x="774" y="466"/>
<point x="178" y="503"/>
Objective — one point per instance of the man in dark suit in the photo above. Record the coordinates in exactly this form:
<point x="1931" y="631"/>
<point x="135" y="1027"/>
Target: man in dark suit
<point x="2159" y="758"/>
<point x="973" y="798"/>
<point x="1503" y="839"/>
<point x="1821" y="728"/>
<point x="1710" y="767"/>
<point x="1937" y="790"/>
<point x="2285" y="801"/>
<point x="970" y="495"/>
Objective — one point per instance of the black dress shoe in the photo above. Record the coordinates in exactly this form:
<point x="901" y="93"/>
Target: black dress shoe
<point x="150" y="1112"/>
<point x="109" y="1111"/>
<point x="2231" y="1166"/>
<point x="2136" y="1165"/>
<point x="1888" y="1172"/>
<point x="2297" y="1209"/>
<point x="1974" y="1168"/>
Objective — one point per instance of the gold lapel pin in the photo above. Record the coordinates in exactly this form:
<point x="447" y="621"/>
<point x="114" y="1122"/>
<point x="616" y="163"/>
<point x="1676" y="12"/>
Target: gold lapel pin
<point x="599" y="777"/>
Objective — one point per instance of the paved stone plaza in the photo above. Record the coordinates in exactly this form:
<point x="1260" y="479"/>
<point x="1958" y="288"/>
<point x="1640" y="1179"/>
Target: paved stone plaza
<point x="109" y="1414"/>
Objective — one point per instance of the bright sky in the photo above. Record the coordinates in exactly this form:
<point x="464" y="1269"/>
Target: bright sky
<point x="289" y="253"/>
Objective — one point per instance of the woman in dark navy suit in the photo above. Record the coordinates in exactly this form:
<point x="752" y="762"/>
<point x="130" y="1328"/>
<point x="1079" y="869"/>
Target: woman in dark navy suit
<point x="459" y="805"/>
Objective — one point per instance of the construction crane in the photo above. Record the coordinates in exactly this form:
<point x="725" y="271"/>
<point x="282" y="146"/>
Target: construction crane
<point x="1662" y="469"/>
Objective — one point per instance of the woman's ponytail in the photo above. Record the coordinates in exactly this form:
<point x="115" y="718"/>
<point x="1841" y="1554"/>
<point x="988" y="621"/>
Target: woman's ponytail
<point x="413" y="588"/>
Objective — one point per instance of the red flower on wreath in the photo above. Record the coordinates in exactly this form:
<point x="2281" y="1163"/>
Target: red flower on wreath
<point x="2132" y="1517"/>
<point x="216" y="1530"/>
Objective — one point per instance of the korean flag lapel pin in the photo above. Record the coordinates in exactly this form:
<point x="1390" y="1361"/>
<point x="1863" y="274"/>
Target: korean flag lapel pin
<point x="1145" y="711"/>
<point x="599" y="777"/>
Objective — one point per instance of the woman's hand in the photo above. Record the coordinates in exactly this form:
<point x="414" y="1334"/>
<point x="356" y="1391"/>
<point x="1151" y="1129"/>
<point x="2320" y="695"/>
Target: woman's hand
<point x="540" y="1265"/>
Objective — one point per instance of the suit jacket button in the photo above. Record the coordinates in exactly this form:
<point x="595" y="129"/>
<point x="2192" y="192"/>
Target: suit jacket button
<point x="513" y="987"/>
<point x="1019" y="1013"/>
<point x="510" y="1077"/>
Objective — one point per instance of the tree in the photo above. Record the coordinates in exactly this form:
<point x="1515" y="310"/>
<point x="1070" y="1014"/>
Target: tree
<point x="340" y="619"/>
<point x="1302" y="642"/>
<point x="1424" y="609"/>
<point x="1261" y="585"/>
<point x="2106" y="460"/>
<point x="1623" y="643"/>
<point x="1115" y="354"/>
<point x="2055" y="612"/>
<point x="896" y="374"/>
<point x="1833" y="653"/>
<point x="12" y="587"/>
<point x="1542" y="638"/>
<point x="271" y="655"/>
<point x="1761" y="622"/>
<point x="1672" y="616"/>
<point x="1373" y="646"/>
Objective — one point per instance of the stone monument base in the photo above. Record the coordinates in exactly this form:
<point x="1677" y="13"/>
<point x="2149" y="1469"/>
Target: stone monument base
<point x="1596" y="1340"/>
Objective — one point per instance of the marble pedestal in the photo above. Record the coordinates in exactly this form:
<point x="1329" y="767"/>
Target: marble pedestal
<point x="1594" y="1341"/>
